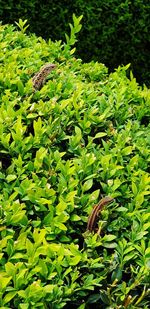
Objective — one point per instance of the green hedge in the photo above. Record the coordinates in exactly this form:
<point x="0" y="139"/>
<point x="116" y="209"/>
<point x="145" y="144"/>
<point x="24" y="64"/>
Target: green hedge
<point x="114" y="32"/>
<point x="83" y="135"/>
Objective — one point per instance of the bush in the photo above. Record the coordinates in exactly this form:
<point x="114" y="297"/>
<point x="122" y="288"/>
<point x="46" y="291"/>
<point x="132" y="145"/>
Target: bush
<point x="83" y="135"/>
<point x="114" y="32"/>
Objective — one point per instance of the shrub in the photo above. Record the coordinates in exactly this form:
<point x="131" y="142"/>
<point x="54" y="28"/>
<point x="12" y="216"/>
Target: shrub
<point x="114" y="32"/>
<point x="83" y="135"/>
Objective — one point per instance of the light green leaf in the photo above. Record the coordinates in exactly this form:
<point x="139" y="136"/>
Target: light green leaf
<point x="23" y="306"/>
<point x="147" y="252"/>
<point x="9" y="296"/>
<point x="109" y="237"/>
<point x="11" y="177"/>
<point x="30" y="248"/>
<point x="75" y="217"/>
<point x="49" y="288"/>
<point x="40" y="154"/>
<point x="94" y="195"/>
<point x="61" y="226"/>
<point x="4" y="282"/>
<point x="61" y="207"/>
<point x="121" y="209"/>
<point x="134" y="188"/>
<point x="139" y="199"/>
<point x="75" y="260"/>
<point x="129" y="256"/>
<point x="127" y="150"/>
<point x="20" y="87"/>
<point x="87" y="185"/>
<point x="99" y="135"/>
<point x="17" y="218"/>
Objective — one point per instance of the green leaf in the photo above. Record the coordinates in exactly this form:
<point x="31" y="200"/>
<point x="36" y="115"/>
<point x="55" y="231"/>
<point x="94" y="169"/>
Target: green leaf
<point x="11" y="177"/>
<point x="75" y="260"/>
<point x="117" y="184"/>
<point x="61" y="207"/>
<point x="20" y="88"/>
<point x="2" y="176"/>
<point x="61" y="226"/>
<point x="104" y="297"/>
<point x="49" y="288"/>
<point x="29" y="247"/>
<point x="121" y="209"/>
<point x="74" y="217"/>
<point x="18" y="218"/>
<point x="17" y="256"/>
<point x="134" y="189"/>
<point x="109" y="237"/>
<point x="99" y="135"/>
<point x="127" y="150"/>
<point x="4" y="282"/>
<point x="22" y="293"/>
<point x="23" y="306"/>
<point x="48" y="219"/>
<point x="10" y="269"/>
<point x="139" y="199"/>
<point x="20" y="278"/>
<point x="40" y="154"/>
<point x="87" y="185"/>
<point x="129" y="257"/>
<point x="147" y="252"/>
<point x="9" y="296"/>
<point x="94" y="195"/>
<point x="117" y="274"/>
<point x="93" y="298"/>
<point x="72" y="51"/>
<point x="110" y="245"/>
<point x="146" y="226"/>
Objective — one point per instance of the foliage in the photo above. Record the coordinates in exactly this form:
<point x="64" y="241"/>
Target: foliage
<point x="75" y="28"/>
<point x="21" y="24"/>
<point x="83" y="135"/>
<point x="113" y="32"/>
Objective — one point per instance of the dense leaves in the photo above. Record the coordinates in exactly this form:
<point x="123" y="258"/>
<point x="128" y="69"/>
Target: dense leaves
<point x="114" y="32"/>
<point x="85" y="134"/>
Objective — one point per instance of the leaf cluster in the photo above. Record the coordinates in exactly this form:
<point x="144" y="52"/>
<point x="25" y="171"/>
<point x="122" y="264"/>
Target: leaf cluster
<point x="114" y="33"/>
<point x="84" y="135"/>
